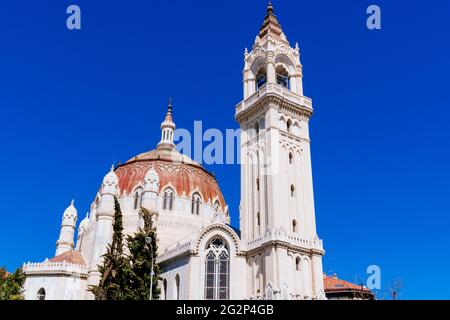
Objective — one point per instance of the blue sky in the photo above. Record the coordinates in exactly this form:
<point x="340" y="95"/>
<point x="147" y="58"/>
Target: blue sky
<point x="74" y="102"/>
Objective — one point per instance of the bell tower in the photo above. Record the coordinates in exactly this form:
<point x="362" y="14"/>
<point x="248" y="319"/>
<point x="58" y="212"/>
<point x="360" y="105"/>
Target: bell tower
<point x="277" y="218"/>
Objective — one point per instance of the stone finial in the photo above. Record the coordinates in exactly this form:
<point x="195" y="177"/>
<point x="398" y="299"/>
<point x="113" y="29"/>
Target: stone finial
<point x="70" y="215"/>
<point x="110" y="182"/>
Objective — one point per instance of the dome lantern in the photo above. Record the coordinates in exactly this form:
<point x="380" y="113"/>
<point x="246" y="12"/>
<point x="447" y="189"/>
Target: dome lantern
<point x="167" y="130"/>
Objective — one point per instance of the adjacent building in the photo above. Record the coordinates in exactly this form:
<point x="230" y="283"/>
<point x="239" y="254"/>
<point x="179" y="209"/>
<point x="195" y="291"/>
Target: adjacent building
<point x="337" y="289"/>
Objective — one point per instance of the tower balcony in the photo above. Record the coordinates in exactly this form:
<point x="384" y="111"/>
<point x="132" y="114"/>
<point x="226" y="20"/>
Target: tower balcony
<point x="282" y="237"/>
<point x="295" y="101"/>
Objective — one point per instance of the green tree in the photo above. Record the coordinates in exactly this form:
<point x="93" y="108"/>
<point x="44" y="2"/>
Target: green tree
<point x="112" y="282"/>
<point x="142" y="256"/>
<point x="11" y="285"/>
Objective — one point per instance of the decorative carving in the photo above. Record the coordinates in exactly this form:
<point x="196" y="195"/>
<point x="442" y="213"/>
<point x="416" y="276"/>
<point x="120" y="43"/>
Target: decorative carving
<point x="279" y="237"/>
<point x="212" y="228"/>
<point x="70" y="215"/>
<point x="269" y="292"/>
<point x="151" y="181"/>
<point x="220" y="218"/>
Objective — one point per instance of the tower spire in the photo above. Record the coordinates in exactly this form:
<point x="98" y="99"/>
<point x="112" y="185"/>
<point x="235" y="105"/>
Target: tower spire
<point x="169" y="110"/>
<point x="271" y="25"/>
<point x="167" y="129"/>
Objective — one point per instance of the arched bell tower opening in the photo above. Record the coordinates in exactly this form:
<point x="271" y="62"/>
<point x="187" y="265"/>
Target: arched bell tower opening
<point x="283" y="77"/>
<point x="261" y="78"/>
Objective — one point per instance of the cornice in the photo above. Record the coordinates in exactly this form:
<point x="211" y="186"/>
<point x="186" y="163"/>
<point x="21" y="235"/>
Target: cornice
<point x="285" y="245"/>
<point x="272" y="95"/>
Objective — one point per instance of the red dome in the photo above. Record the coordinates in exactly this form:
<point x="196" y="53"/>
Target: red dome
<point x="174" y="169"/>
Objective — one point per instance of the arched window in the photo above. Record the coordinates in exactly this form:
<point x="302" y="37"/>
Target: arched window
<point x="169" y="196"/>
<point x="292" y="190"/>
<point x="171" y="199"/>
<point x="257" y="184"/>
<point x="258" y="222"/>
<point x="165" y="288"/>
<point x="294" y="226"/>
<point x="291" y="156"/>
<point x="41" y="294"/>
<point x="262" y="123"/>
<point x="256" y="128"/>
<point x="165" y="201"/>
<point x="283" y="77"/>
<point x="216" y="205"/>
<point x="288" y="125"/>
<point x="138" y="198"/>
<point x="177" y="284"/>
<point x="297" y="264"/>
<point x="217" y="271"/>
<point x="261" y="78"/>
<point x="195" y="205"/>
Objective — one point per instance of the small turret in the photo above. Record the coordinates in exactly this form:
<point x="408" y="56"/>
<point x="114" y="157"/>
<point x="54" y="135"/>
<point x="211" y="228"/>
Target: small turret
<point x="110" y="184"/>
<point x="66" y="235"/>
<point x="82" y="228"/>
<point x="104" y="224"/>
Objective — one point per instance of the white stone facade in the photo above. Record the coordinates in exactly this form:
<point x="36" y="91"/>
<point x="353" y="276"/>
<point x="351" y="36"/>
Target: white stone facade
<point x="276" y="255"/>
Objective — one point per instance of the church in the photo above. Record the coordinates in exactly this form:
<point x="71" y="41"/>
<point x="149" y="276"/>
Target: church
<point x="276" y="254"/>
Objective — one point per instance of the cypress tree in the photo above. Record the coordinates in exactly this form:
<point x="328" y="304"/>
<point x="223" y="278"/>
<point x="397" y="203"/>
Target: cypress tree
<point x="112" y="282"/>
<point x="141" y="256"/>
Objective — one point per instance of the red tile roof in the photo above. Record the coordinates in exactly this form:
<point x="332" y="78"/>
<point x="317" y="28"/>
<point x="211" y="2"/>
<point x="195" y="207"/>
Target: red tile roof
<point x="174" y="169"/>
<point x="333" y="284"/>
<point x="71" y="256"/>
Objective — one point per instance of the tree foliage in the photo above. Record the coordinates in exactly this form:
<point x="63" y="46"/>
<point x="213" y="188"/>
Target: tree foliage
<point x="11" y="285"/>
<point x="140" y="259"/>
<point x="112" y="282"/>
<point x="127" y="276"/>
